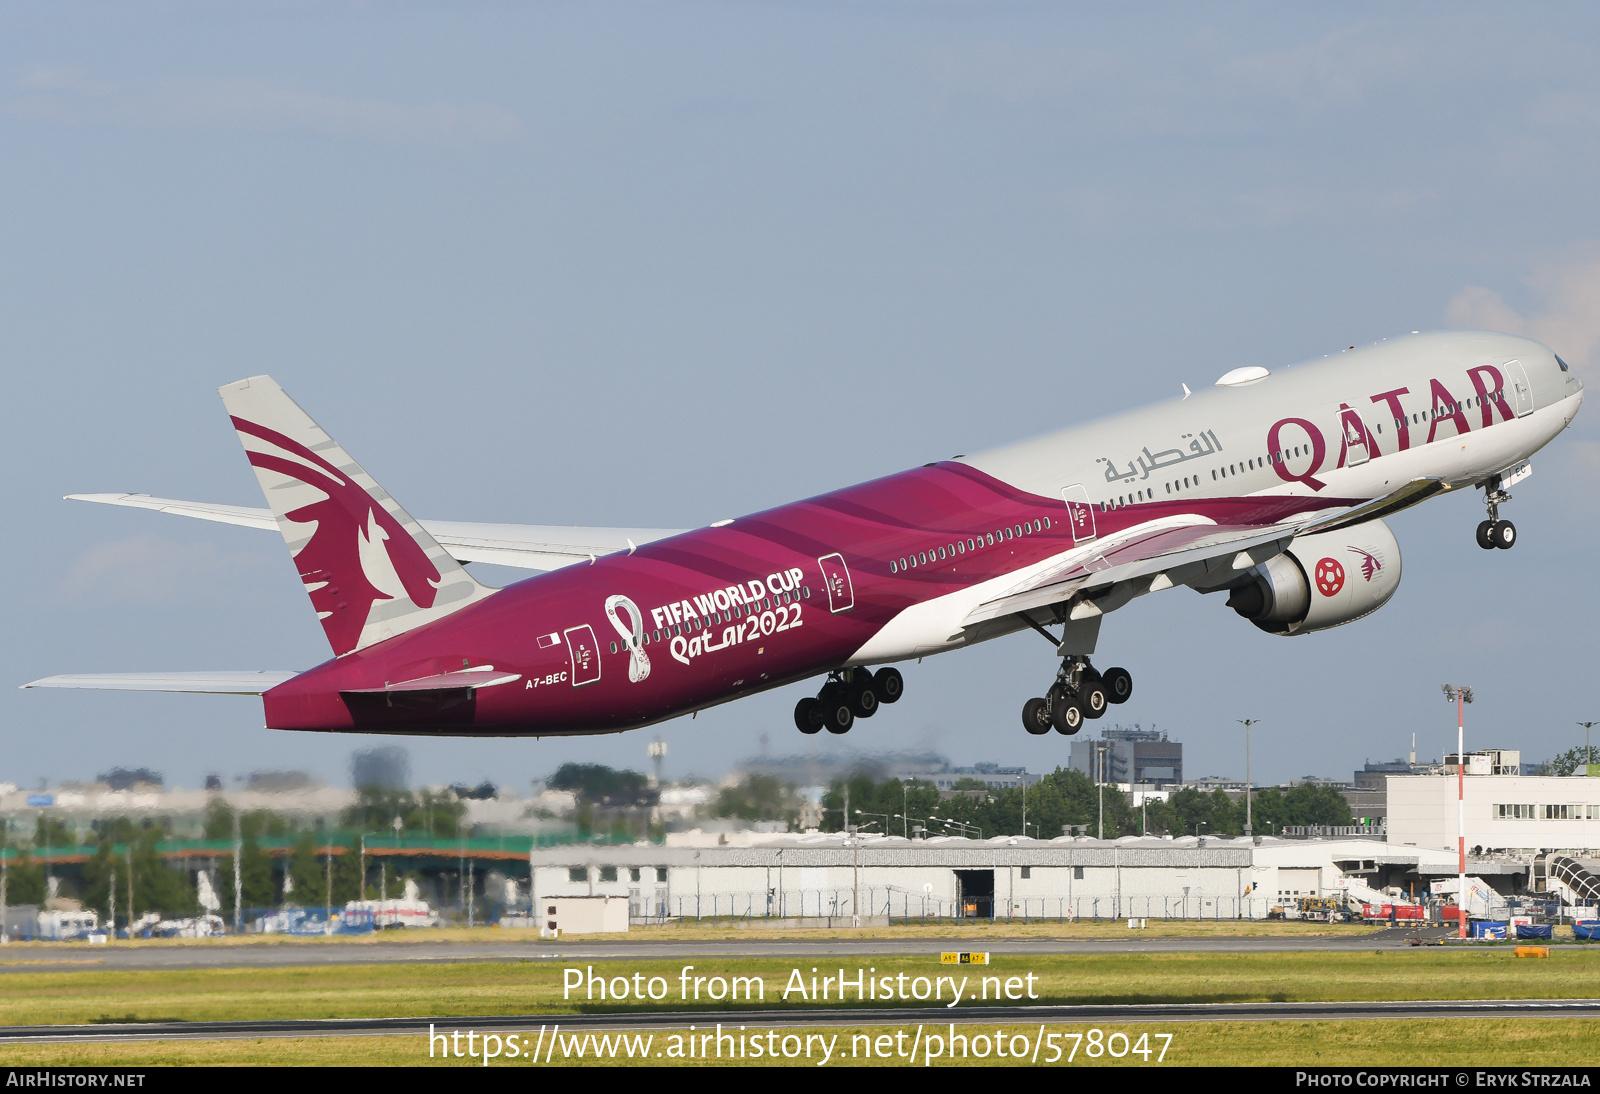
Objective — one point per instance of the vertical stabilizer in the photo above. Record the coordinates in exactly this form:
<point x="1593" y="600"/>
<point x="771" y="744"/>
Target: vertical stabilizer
<point x="371" y="571"/>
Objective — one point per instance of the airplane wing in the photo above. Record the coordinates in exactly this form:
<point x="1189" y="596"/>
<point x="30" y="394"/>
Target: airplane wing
<point x="244" y="682"/>
<point x="527" y="546"/>
<point x="1183" y="550"/>
<point x="1169" y="552"/>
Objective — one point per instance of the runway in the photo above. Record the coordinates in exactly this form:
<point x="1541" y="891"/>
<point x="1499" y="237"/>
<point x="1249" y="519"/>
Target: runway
<point x="23" y="958"/>
<point x="529" y="1026"/>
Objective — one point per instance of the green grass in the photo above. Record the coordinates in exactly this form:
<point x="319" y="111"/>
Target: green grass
<point x="533" y="986"/>
<point x="1403" y="1042"/>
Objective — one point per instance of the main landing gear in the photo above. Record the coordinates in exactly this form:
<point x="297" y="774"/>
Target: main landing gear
<point x="849" y="694"/>
<point x="1495" y="532"/>
<point x="1078" y="693"/>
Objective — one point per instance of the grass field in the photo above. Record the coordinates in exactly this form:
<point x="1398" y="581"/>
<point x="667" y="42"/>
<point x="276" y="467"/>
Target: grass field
<point x="1404" y="1042"/>
<point x="535" y="986"/>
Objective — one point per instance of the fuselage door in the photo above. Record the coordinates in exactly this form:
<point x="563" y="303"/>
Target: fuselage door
<point x="1355" y="439"/>
<point x="1080" y="513"/>
<point x="1521" y="392"/>
<point x="836" y="579"/>
<point x="584" y="654"/>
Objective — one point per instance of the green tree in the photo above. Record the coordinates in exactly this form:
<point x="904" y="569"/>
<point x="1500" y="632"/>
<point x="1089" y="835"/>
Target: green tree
<point x="255" y="870"/>
<point x="603" y="785"/>
<point x="759" y="798"/>
<point x="1571" y="760"/>
<point x="1186" y="811"/>
<point x="309" y="871"/>
<point x="53" y="832"/>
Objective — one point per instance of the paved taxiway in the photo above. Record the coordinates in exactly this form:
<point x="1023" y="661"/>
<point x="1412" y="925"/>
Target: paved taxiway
<point x="528" y="1026"/>
<point x="24" y="958"/>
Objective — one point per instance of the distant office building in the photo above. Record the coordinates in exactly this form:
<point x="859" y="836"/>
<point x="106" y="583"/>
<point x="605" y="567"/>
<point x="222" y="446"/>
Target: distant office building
<point x="1372" y="775"/>
<point x="991" y="775"/>
<point x="1137" y="756"/>
<point x="388" y="767"/>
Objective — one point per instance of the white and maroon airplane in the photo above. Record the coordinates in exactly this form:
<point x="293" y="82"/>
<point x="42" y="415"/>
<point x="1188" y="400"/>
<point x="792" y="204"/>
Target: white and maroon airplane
<point x="1269" y="486"/>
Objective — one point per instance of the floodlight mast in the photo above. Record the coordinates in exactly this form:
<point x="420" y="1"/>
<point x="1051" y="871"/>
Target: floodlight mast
<point x="1588" y="745"/>
<point x="1249" y="829"/>
<point x="1460" y="695"/>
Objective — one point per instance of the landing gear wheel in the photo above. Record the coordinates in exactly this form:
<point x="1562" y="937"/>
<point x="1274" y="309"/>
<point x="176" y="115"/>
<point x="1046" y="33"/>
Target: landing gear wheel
<point x="1486" y="535"/>
<point x="1036" y="716"/>
<point x="837" y="717"/>
<point x="1066" y="715"/>
<point x="807" y="716"/>
<point x="1093" y="699"/>
<point x="864" y="700"/>
<point x="1504" y="535"/>
<point x="1118" y="684"/>
<point x="889" y="685"/>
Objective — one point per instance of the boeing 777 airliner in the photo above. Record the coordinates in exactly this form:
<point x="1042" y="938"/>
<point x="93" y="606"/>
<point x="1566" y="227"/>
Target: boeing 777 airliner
<point x="1270" y="488"/>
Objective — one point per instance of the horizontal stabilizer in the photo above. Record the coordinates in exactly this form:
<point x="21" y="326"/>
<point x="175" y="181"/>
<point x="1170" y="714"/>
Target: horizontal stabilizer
<point x="242" y="682"/>
<point x="483" y="677"/>
<point x="525" y="546"/>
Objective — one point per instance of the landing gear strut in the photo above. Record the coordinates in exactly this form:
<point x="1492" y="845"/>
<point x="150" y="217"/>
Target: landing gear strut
<point x="849" y="694"/>
<point x="1495" y="532"/>
<point x="1079" y="692"/>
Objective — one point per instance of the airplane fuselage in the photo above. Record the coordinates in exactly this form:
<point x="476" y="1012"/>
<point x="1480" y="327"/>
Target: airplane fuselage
<point x="896" y="568"/>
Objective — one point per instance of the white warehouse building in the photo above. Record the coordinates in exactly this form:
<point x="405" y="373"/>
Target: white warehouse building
<point x="1509" y="814"/>
<point x="813" y="876"/>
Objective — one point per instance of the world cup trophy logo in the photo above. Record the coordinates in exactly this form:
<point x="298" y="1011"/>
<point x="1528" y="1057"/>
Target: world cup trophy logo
<point x="632" y="633"/>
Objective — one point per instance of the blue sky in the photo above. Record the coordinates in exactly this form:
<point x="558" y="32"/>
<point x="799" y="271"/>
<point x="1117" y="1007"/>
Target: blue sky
<point x="646" y="264"/>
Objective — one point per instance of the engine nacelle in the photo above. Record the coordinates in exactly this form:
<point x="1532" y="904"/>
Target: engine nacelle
<point x="1322" y="580"/>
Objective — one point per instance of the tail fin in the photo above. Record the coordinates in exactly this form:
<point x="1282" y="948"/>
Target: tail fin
<point x="371" y="570"/>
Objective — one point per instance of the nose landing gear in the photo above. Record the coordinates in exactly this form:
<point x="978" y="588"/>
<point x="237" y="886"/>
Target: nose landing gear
<point x="849" y="694"/>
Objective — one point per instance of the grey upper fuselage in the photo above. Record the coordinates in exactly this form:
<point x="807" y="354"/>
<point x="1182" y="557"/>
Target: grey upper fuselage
<point x="1099" y="455"/>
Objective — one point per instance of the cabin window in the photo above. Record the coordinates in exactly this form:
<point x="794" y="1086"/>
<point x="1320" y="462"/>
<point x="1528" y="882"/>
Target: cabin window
<point x="1169" y="487"/>
<point x="613" y="647"/>
<point x="952" y="549"/>
<point x="1047" y="522"/>
<point x="891" y="566"/>
<point x="961" y="548"/>
<point x="805" y="591"/>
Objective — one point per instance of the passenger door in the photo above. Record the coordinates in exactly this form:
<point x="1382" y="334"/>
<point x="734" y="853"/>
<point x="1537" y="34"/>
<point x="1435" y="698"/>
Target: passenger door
<point x="1080" y="513"/>
<point x="1521" y="392"/>
<point x="836" y="579"/>
<point x="583" y="653"/>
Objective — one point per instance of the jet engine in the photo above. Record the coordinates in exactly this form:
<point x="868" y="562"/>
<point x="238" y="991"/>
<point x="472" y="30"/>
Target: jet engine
<point x="1322" y="580"/>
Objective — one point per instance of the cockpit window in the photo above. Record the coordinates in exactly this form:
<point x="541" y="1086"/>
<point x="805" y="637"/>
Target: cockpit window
<point x="1562" y="363"/>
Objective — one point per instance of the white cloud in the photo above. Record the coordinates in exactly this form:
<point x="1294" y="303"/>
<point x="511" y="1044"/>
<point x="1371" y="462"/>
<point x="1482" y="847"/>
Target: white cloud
<point x="65" y="96"/>
<point x="147" y="569"/>
<point x="1568" y="320"/>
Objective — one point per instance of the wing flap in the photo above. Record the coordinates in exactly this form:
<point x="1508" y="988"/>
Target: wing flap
<point x="241" y="682"/>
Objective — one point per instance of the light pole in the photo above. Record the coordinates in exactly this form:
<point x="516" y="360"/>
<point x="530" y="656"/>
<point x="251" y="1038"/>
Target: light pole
<point x="1100" y="783"/>
<point x="1588" y="747"/>
<point x="905" y="804"/>
<point x="1247" y="723"/>
<point x="1460" y="695"/>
